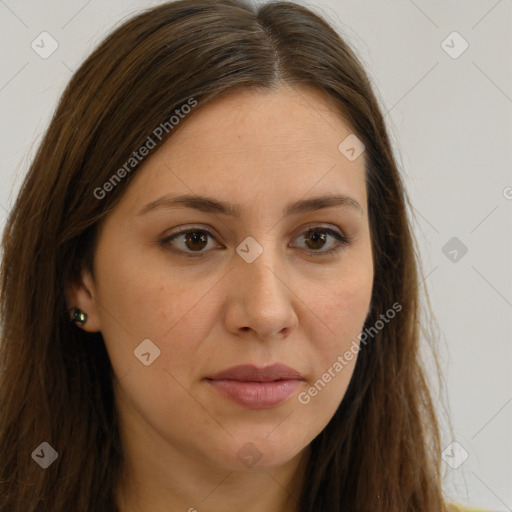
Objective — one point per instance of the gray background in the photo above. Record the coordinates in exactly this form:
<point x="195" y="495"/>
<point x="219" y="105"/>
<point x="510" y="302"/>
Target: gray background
<point x="450" y="122"/>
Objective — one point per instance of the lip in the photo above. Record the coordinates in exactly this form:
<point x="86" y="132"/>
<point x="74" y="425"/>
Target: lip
<point x="256" y="388"/>
<point x="251" y="373"/>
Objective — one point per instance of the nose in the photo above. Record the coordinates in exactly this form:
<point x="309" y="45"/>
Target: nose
<point x="262" y="301"/>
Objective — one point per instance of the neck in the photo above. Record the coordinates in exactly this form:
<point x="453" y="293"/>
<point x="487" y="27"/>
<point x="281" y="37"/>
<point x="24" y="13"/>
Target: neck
<point x="185" y="485"/>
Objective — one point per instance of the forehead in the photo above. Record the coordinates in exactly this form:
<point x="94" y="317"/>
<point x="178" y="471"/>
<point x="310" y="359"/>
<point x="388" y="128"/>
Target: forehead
<point x="273" y="120"/>
<point x="284" y="141"/>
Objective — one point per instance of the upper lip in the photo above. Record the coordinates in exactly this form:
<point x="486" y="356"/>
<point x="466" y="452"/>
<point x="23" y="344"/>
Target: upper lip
<point x="251" y="373"/>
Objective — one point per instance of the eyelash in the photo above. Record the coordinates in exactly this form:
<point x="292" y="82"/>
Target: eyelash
<point x="343" y="241"/>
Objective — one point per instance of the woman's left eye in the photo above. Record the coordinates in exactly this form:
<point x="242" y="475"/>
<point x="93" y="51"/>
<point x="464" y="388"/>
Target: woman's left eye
<point x="195" y="240"/>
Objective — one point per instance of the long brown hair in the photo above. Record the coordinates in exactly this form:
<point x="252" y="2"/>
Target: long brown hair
<point x="381" y="450"/>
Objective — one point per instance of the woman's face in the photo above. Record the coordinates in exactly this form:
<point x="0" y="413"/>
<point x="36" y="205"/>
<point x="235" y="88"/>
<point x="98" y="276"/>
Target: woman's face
<point x="250" y="288"/>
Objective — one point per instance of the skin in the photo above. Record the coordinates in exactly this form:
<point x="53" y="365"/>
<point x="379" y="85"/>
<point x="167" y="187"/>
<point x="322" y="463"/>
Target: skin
<point x="260" y="150"/>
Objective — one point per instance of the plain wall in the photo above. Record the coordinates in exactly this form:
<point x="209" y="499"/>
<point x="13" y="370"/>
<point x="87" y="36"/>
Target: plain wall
<point x="450" y="121"/>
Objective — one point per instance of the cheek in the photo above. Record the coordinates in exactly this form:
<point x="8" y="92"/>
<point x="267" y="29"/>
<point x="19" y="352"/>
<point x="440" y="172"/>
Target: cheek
<point x="157" y="305"/>
<point x="340" y="312"/>
<point x="142" y="298"/>
<point x="141" y="301"/>
<point x="341" y="307"/>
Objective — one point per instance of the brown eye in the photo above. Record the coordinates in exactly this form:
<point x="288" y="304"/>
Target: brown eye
<point x="191" y="241"/>
<point x="316" y="239"/>
<point x="196" y="240"/>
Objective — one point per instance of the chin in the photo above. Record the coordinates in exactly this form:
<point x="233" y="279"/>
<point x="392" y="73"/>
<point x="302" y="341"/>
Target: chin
<point x="257" y="453"/>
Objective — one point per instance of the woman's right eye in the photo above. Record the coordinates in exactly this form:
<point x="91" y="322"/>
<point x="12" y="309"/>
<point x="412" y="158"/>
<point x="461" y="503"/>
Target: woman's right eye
<point x="192" y="239"/>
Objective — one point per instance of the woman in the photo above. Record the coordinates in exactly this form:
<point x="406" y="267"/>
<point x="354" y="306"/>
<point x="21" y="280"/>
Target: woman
<point x="209" y="288"/>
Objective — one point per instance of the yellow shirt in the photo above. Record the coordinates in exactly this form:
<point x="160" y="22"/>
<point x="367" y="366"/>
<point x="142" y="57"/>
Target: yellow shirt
<point x="454" y="507"/>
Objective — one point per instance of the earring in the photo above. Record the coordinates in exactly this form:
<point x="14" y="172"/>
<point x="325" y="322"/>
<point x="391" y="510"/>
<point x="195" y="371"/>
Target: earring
<point x="79" y="317"/>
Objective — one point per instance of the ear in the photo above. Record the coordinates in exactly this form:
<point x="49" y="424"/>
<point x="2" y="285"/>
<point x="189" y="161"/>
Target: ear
<point x="81" y="294"/>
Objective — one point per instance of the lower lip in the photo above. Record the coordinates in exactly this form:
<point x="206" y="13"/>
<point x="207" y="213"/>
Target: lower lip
<point x="256" y="395"/>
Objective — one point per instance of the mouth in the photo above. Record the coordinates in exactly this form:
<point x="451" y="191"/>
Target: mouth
<point x="256" y="388"/>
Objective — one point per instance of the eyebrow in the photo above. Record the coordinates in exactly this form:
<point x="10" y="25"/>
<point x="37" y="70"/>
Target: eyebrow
<point x="211" y="205"/>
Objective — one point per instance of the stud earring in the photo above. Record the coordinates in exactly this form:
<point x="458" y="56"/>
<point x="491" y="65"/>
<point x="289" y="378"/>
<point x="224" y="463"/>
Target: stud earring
<point x="79" y="317"/>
